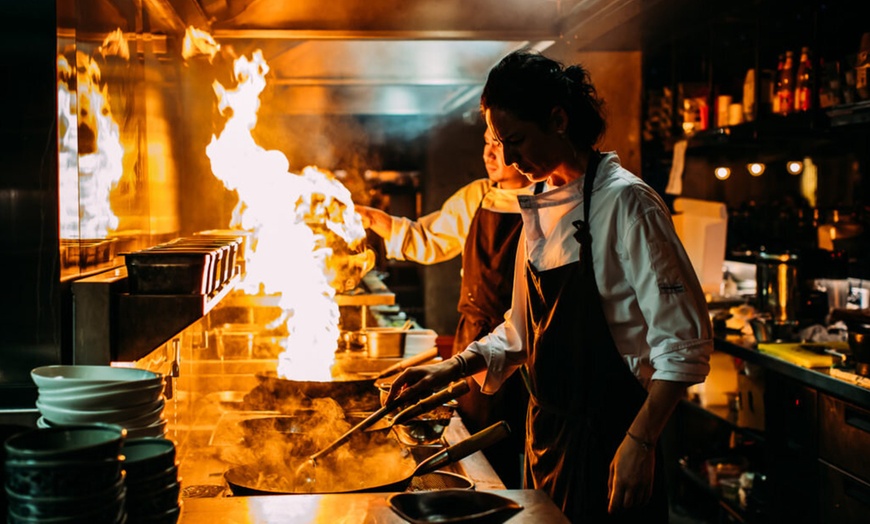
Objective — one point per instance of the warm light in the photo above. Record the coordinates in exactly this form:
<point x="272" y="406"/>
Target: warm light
<point x="755" y="168"/>
<point x="794" y="167"/>
<point x="89" y="148"/>
<point x="722" y="173"/>
<point x="308" y="238"/>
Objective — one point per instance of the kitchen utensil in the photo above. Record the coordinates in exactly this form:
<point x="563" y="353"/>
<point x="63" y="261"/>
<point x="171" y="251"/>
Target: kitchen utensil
<point x="78" y="442"/>
<point x="440" y="480"/>
<point x="453" y="506"/>
<point x="247" y="480"/>
<point x="361" y="426"/>
<point x="799" y="354"/>
<point x="452" y="391"/>
<point x="354" y="394"/>
<point x="402" y="365"/>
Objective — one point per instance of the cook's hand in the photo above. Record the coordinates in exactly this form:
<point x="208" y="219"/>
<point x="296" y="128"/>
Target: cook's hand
<point x="631" y="476"/>
<point x="424" y="379"/>
<point x="375" y="219"/>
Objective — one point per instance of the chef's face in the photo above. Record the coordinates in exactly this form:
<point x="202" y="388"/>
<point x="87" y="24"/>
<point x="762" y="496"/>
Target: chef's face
<point x="506" y="177"/>
<point x="532" y="150"/>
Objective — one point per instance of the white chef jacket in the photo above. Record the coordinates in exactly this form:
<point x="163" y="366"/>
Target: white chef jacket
<point x="440" y="235"/>
<point x="651" y="297"/>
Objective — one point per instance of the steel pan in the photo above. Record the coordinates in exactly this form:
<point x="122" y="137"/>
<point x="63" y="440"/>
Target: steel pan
<point x="355" y="394"/>
<point x="247" y="480"/>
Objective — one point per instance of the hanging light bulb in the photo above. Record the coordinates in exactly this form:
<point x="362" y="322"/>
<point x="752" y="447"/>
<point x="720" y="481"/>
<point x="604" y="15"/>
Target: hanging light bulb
<point x="755" y="168"/>
<point x="794" y="167"/>
<point x="722" y="173"/>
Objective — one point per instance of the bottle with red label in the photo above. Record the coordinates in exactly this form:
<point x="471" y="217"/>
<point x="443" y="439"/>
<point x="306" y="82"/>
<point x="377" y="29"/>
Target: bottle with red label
<point x="803" y="99"/>
<point x="786" y="85"/>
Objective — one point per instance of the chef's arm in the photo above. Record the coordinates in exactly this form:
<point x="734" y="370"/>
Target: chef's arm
<point x="630" y="481"/>
<point x="376" y="220"/>
<point x="663" y="397"/>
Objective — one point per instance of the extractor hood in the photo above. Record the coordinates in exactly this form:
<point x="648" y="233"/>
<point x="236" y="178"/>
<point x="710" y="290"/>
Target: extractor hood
<point x="377" y="57"/>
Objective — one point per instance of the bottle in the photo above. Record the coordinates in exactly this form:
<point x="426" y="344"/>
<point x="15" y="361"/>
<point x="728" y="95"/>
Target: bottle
<point x="774" y="99"/>
<point x="803" y="99"/>
<point x="786" y="86"/>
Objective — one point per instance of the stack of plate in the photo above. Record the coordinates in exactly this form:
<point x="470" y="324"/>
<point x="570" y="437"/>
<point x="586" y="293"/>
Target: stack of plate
<point x="129" y="397"/>
<point x="68" y="474"/>
<point x="153" y="485"/>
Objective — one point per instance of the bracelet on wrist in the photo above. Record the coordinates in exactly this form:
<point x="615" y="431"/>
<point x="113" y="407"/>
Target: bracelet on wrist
<point x="645" y="444"/>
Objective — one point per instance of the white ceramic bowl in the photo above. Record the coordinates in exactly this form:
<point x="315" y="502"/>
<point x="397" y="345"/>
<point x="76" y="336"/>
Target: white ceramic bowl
<point x="99" y="379"/>
<point x="157" y="429"/>
<point x="146" y="413"/>
<point x="70" y="399"/>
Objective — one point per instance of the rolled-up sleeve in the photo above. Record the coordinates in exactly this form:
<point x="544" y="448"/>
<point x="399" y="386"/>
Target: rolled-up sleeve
<point x="679" y="332"/>
<point x="440" y="235"/>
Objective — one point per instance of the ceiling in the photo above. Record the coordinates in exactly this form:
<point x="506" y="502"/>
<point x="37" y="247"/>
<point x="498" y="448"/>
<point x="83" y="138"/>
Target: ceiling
<point x="374" y="57"/>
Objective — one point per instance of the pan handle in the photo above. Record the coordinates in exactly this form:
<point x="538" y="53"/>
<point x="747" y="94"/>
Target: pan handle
<point x="420" y="358"/>
<point x="463" y="448"/>
<point x="454" y="390"/>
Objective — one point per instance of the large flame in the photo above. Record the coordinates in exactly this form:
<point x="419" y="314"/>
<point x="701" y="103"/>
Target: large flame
<point x="89" y="147"/>
<point x="304" y="225"/>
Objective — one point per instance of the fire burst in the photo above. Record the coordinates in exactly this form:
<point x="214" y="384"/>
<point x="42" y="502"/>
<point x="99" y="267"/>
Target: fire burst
<point x="304" y="226"/>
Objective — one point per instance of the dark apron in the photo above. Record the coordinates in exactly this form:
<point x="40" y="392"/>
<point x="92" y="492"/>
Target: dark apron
<point x="584" y="397"/>
<point x="488" y="262"/>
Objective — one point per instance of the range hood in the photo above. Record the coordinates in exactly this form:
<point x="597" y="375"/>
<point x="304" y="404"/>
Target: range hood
<point x="374" y="57"/>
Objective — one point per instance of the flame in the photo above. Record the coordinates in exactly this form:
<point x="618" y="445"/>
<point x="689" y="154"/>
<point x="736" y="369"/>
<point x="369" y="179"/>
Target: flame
<point x="89" y="149"/>
<point x="198" y="42"/>
<point x="305" y="228"/>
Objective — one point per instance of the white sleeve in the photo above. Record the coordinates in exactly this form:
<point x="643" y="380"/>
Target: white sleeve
<point x="440" y="235"/>
<point x="504" y="348"/>
<point x="670" y="298"/>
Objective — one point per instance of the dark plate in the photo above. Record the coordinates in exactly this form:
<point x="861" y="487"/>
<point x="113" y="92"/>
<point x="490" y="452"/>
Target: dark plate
<point x="453" y="506"/>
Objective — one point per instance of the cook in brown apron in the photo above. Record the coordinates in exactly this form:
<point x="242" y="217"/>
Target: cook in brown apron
<point x="488" y="262"/>
<point x="584" y="397"/>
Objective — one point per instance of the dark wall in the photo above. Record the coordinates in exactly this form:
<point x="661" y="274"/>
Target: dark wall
<point x="454" y="158"/>
<point x="31" y="304"/>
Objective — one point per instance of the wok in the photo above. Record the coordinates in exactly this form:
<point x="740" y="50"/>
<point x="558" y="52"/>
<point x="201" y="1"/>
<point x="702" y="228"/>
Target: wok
<point x="354" y="394"/>
<point x="245" y="480"/>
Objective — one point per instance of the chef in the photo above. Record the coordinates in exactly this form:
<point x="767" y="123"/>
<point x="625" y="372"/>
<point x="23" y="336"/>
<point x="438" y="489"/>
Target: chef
<point x="482" y="222"/>
<point x="608" y="322"/>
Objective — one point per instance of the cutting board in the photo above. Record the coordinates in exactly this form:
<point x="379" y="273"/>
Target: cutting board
<point x="799" y="353"/>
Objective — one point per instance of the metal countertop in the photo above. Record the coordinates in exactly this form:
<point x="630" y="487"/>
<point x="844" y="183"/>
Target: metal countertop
<point x="364" y="508"/>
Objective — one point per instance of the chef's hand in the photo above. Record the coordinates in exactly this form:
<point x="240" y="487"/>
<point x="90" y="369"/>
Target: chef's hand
<point x="424" y="379"/>
<point x="376" y="220"/>
<point x="631" y="476"/>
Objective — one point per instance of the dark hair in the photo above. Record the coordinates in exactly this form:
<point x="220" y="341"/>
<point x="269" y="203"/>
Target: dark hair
<point x="529" y="85"/>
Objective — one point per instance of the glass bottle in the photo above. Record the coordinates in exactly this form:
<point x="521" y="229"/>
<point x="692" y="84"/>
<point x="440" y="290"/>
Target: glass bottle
<point x="777" y="84"/>
<point x="803" y="99"/>
<point x="786" y="85"/>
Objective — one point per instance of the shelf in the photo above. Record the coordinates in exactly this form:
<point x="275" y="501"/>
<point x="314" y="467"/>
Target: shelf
<point x="696" y="480"/>
<point x="723" y="414"/>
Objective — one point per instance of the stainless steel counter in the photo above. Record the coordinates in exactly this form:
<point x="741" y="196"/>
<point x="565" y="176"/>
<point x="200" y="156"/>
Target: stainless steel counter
<point x="368" y="508"/>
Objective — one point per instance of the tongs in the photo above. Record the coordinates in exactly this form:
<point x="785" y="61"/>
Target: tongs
<point x="452" y="391"/>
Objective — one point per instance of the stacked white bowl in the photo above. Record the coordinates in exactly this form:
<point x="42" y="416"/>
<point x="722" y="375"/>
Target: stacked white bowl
<point x="79" y="394"/>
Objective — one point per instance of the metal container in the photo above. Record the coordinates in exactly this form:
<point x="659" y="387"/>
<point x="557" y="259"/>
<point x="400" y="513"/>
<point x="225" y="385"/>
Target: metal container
<point x="778" y="286"/>
<point x="386" y="342"/>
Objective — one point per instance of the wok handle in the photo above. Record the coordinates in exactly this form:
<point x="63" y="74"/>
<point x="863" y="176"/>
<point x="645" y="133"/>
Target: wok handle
<point x="463" y="448"/>
<point x="402" y="365"/>
<point x="454" y="390"/>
